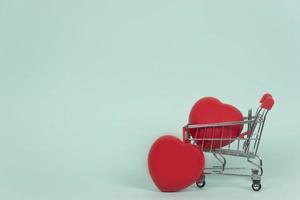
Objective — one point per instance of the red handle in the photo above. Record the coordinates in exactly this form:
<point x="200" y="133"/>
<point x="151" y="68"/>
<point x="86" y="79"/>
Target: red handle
<point x="264" y="97"/>
<point x="267" y="101"/>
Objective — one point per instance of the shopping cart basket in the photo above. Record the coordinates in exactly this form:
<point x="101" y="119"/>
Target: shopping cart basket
<point x="245" y="146"/>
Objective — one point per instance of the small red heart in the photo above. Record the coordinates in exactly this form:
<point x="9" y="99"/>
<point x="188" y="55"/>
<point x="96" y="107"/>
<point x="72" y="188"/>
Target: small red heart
<point x="210" y="110"/>
<point x="174" y="165"/>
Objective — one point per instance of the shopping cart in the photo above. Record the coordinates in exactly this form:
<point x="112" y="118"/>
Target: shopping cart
<point x="245" y="146"/>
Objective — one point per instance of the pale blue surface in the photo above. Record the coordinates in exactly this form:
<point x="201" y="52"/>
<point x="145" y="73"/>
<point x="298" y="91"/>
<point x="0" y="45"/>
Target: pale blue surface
<point x="87" y="86"/>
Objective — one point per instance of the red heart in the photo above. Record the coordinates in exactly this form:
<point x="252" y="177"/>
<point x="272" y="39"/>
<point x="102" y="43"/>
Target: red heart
<point x="174" y="165"/>
<point x="210" y="110"/>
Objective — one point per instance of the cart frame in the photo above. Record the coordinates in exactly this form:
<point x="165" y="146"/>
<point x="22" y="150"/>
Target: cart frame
<point x="246" y="146"/>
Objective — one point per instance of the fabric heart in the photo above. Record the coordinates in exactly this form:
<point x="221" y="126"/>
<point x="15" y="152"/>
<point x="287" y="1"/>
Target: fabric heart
<point x="210" y="110"/>
<point x="174" y="165"/>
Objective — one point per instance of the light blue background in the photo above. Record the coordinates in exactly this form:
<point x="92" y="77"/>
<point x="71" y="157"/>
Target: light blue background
<point x="87" y="86"/>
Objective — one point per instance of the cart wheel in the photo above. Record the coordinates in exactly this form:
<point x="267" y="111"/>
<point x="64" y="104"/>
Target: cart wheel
<point x="256" y="186"/>
<point x="200" y="184"/>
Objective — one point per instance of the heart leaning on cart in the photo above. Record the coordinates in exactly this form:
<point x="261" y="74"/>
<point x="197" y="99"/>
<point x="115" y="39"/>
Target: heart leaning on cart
<point x="175" y="165"/>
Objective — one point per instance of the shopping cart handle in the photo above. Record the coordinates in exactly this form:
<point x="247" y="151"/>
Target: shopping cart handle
<point x="267" y="101"/>
<point x="264" y="97"/>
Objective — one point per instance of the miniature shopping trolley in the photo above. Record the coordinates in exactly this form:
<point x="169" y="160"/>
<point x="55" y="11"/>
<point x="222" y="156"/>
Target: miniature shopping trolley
<point x="245" y="146"/>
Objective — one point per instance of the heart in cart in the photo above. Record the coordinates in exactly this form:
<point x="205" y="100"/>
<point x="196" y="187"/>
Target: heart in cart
<point x="208" y="111"/>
